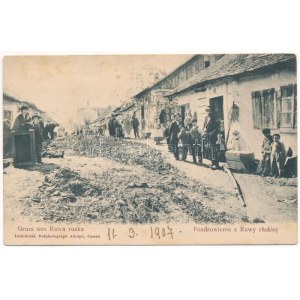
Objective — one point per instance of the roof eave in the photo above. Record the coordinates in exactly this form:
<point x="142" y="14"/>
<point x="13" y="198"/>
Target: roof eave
<point x="231" y="76"/>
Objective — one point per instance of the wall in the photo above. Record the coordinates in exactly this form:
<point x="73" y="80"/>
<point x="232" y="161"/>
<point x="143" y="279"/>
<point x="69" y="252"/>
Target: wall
<point x="187" y="70"/>
<point x="155" y="97"/>
<point x="253" y="137"/>
<point x="11" y="106"/>
<point x="240" y="92"/>
<point x="200" y="100"/>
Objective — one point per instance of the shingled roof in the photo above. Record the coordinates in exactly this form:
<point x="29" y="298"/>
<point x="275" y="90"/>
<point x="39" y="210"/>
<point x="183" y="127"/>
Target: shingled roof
<point x="233" y="65"/>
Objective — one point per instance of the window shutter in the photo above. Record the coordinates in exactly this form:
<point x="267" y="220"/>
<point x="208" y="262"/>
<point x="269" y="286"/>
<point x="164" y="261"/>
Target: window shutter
<point x="268" y="114"/>
<point x="257" y="109"/>
<point x="278" y="108"/>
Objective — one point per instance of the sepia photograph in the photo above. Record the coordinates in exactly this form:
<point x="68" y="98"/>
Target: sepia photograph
<point x="150" y="149"/>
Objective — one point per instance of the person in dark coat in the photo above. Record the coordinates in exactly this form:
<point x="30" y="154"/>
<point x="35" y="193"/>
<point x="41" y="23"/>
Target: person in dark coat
<point x="48" y="132"/>
<point x="196" y="140"/>
<point x="22" y="122"/>
<point x="118" y="129"/>
<point x="42" y="125"/>
<point x="168" y="136"/>
<point x="174" y="131"/>
<point x="290" y="167"/>
<point x="185" y="140"/>
<point x="7" y="139"/>
<point x="162" y="117"/>
<point x="111" y="126"/>
<point x="211" y="130"/>
<point x="135" y="125"/>
<point x="51" y="127"/>
<point x="38" y="134"/>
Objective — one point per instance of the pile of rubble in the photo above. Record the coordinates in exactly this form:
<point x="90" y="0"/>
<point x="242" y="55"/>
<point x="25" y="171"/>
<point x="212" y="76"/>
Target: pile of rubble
<point x="120" y="150"/>
<point x="161" y="193"/>
<point x="118" y="197"/>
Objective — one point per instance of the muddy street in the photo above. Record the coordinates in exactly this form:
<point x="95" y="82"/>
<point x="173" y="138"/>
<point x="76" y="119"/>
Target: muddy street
<point x="123" y="181"/>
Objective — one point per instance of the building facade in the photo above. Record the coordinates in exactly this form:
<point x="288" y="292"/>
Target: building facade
<point x="153" y="100"/>
<point x="248" y="93"/>
<point x="12" y="108"/>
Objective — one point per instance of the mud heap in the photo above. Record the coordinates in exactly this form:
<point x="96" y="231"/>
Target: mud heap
<point x="120" y="150"/>
<point x="153" y="191"/>
<point x="116" y="196"/>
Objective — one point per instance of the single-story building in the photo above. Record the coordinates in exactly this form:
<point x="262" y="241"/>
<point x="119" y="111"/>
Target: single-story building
<point x="248" y="92"/>
<point x="12" y="106"/>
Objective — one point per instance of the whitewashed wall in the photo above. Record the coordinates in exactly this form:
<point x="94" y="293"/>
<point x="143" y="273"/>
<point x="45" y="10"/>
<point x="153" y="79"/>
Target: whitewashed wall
<point x="240" y="92"/>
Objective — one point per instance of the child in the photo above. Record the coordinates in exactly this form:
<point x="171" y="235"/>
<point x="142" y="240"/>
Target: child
<point x="185" y="140"/>
<point x="167" y="135"/>
<point x="158" y="134"/>
<point x="266" y="152"/>
<point x="277" y="156"/>
<point x="196" y="140"/>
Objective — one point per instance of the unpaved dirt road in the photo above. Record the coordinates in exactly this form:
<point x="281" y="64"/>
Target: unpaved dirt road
<point x="131" y="188"/>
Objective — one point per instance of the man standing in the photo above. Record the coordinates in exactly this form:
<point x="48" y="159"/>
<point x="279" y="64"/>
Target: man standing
<point x="174" y="131"/>
<point x="48" y="131"/>
<point x="111" y="126"/>
<point x="211" y="130"/>
<point x="196" y="140"/>
<point x="38" y="134"/>
<point x="135" y="125"/>
<point x="22" y="122"/>
<point x="127" y="127"/>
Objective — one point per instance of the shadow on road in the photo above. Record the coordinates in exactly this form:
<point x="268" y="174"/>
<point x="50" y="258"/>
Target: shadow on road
<point x="44" y="168"/>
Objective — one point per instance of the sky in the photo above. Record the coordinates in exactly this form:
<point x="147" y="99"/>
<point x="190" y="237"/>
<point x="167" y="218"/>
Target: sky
<point x="60" y="85"/>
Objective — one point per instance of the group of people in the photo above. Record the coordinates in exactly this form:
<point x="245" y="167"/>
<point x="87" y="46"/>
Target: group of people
<point x="207" y="142"/>
<point x="25" y="122"/>
<point x="123" y="129"/>
<point x="274" y="154"/>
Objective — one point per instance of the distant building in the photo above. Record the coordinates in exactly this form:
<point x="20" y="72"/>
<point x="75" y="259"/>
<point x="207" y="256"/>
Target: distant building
<point x="86" y="115"/>
<point x="12" y="106"/>
<point x="152" y="101"/>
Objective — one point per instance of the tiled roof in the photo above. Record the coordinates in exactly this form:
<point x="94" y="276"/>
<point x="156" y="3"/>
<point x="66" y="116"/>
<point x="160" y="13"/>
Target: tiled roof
<point x="232" y="65"/>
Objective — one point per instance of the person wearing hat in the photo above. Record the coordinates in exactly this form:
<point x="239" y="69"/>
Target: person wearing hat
<point x="211" y="130"/>
<point x="135" y="125"/>
<point x="111" y="125"/>
<point x="196" y="140"/>
<point x="38" y="134"/>
<point x="174" y="131"/>
<point x="22" y="122"/>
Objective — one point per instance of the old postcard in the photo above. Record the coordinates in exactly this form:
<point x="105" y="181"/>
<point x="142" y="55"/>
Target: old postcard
<point x="150" y="149"/>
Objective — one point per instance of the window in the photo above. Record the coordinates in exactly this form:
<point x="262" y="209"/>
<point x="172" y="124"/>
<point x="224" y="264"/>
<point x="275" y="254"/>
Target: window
<point x="206" y="64"/>
<point x="288" y="106"/>
<point x="8" y="115"/>
<point x="275" y="109"/>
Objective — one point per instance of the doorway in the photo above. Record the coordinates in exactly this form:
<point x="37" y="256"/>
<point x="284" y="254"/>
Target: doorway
<point x="183" y="111"/>
<point x="216" y="105"/>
